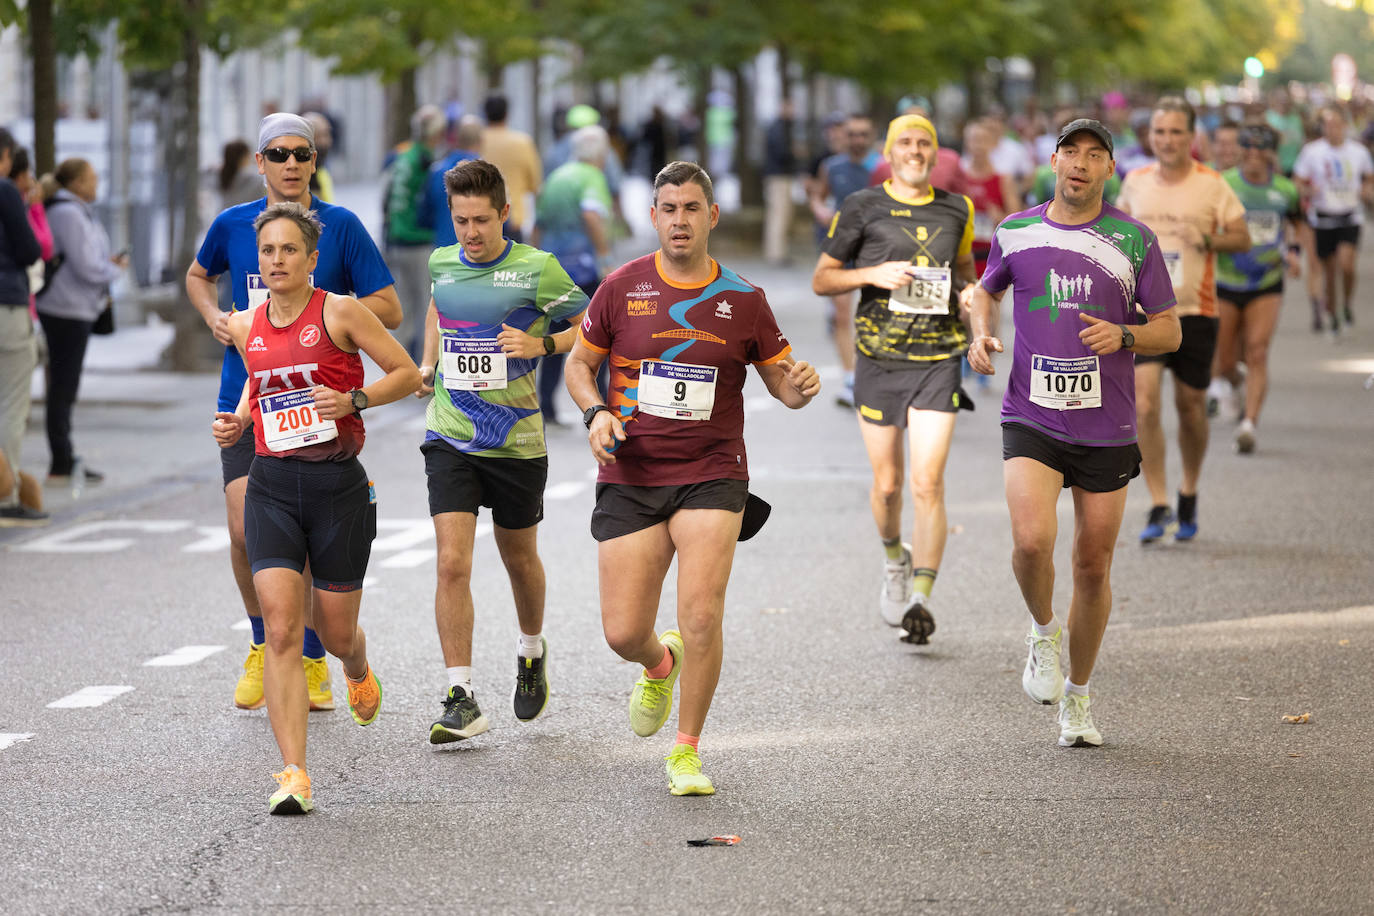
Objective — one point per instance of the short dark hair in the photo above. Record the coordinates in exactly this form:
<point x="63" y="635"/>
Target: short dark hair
<point x="495" y="108"/>
<point x="1177" y="103"/>
<point x="307" y="220"/>
<point x="679" y="173"/>
<point x="7" y="141"/>
<point x="476" y="178"/>
<point x="19" y="162"/>
<point x="1228" y="124"/>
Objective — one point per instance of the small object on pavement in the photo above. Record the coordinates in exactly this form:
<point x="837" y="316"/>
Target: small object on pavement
<point x="1298" y="720"/>
<point x="715" y="841"/>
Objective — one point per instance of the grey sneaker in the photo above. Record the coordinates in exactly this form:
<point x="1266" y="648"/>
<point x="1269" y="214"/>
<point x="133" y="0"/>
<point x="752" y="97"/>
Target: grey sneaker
<point x="21" y="516"/>
<point x="1043" y="680"/>
<point x="1076" y="727"/>
<point x="461" y="719"/>
<point x="895" y="596"/>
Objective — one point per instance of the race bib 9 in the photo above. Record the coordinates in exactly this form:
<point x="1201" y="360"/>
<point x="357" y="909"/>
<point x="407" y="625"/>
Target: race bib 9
<point x="677" y="391"/>
<point x="289" y="420"/>
<point x="473" y="364"/>
<point x="1065" y="384"/>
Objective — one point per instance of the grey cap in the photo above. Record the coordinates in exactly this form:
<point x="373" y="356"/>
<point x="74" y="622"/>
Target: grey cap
<point x="282" y="124"/>
<point x="1096" y="128"/>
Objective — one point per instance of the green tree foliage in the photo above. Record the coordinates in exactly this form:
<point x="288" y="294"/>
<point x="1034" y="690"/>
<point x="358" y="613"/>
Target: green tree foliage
<point x="1327" y="29"/>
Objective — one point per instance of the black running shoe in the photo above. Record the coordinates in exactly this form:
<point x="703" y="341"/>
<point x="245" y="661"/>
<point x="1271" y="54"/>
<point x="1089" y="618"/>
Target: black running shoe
<point x="532" y="684"/>
<point x="461" y="719"/>
<point x="917" y="623"/>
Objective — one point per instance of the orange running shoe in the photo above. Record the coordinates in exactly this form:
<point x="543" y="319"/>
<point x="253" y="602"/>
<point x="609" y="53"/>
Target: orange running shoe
<point x="293" y="792"/>
<point x="364" y="698"/>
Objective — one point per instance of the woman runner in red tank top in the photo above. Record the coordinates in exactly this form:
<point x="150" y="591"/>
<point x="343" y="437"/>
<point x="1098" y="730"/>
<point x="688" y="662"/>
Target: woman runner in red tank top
<point x="309" y="499"/>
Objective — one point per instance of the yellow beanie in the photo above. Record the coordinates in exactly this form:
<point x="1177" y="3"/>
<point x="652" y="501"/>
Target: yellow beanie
<point x="903" y="123"/>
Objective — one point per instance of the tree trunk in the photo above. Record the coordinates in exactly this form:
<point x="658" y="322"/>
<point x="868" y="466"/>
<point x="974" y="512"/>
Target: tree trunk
<point x="403" y="97"/>
<point x="44" y="49"/>
<point x="746" y="162"/>
<point x="183" y="172"/>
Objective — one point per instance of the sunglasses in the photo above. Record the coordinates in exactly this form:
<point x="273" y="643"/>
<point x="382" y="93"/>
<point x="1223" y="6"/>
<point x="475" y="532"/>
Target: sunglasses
<point x="280" y="154"/>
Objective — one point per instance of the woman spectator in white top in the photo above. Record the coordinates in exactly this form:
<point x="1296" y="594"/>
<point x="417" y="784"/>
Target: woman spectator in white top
<point x="77" y="292"/>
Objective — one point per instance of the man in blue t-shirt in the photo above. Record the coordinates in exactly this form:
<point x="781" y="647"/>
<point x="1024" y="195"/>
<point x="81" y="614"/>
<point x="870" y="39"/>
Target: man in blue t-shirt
<point x="1077" y="269"/>
<point x="349" y="264"/>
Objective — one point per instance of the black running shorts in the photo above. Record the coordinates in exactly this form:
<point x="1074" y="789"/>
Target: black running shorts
<point x="883" y="395"/>
<point x="1191" y="363"/>
<point x="324" y="511"/>
<point x="1328" y="240"/>
<point x="1240" y="298"/>
<point x="513" y="488"/>
<point x="235" y="460"/>
<point x="622" y="509"/>
<point x="1095" y="468"/>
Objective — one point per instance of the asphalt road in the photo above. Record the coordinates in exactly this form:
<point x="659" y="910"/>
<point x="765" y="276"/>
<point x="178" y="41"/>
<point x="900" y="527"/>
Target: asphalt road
<point x="862" y="774"/>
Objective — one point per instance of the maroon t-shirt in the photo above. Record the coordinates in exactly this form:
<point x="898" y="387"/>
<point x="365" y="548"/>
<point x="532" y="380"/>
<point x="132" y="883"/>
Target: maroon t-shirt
<point x="678" y="360"/>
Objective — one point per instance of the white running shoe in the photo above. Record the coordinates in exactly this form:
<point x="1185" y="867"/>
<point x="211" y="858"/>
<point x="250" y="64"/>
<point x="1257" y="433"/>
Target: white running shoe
<point x="1245" y="437"/>
<point x="1076" y="727"/>
<point x="1043" y="680"/>
<point x="897" y="586"/>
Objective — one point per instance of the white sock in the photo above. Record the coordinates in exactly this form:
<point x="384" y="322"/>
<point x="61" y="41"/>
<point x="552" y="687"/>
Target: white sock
<point x="531" y="646"/>
<point x="1078" y="690"/>
<point x="1046" y="630"/>
<point x="461" y="676"/>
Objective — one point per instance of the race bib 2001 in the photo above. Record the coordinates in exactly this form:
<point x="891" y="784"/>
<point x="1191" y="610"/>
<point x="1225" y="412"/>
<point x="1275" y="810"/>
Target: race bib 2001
<point x="289" y="420"/>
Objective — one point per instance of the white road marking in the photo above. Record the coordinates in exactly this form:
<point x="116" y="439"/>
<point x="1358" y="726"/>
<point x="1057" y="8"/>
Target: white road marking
<point x="410" y="532"/>
<point x="90" y="696"/>
<point x="69" y="540"/>
<point x="409" y="559"/>
<point x="10" y="739"/>
<point x="186" y="655"/>
<point x="565" y="490"/>
<point x="213" y="539"/>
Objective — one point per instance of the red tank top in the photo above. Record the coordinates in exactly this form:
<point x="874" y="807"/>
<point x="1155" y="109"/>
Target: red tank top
<point x="296" y="358"/>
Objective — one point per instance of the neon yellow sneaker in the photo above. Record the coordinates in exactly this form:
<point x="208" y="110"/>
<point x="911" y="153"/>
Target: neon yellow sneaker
<point x="248" y="691"/>
<point x="365" y="698"/>
<point x="317" y="681"/>
<point x="684" y="772"/>
<point x="652" y="699"/>
<point x="293" y="792"/>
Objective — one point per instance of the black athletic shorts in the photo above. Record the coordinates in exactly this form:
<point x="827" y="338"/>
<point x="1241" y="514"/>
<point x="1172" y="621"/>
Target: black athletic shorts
<point x="883" y="395"/>
<point x="324" y="511"/>
<point x="1095" y="468"/>
<point x="1240" y="298"/>
<point x="622" y="509"/>
<point x="235" y="460"/>
<point x="513" y="488"/>
<point x="1329" y="239"/>
<point x="1191" y="363"/>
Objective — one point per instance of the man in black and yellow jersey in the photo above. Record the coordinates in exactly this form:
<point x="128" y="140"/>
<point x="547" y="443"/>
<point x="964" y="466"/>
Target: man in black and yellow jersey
<point x="911" y="245"/>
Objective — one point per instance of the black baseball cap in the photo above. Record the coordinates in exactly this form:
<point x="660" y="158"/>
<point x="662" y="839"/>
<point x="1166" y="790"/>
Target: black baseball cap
<point x="1096" y="128"/>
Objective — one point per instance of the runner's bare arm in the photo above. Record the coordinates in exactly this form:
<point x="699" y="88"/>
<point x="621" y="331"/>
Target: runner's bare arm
<point x="429" y="353"/>
<point x="356" y="325"/>
<point x="203" y="292"/>
<point x="832" y="278"/>
<point x="982" y="308"/>
<point x="792" y="383"/>
<point x="579" y="374"/>
<point x="1234" y="237"/>
<point x="386" y="305"/>
<point x="1162" y="334"/>
<point x="518" y="343"/>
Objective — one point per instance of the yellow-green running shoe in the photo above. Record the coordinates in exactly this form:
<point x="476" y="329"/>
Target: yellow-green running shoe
<point x="248" y="691"/>
<point x="651" y="701"/>
<point x="684" y="772"/>
<point x="317" y="682"/>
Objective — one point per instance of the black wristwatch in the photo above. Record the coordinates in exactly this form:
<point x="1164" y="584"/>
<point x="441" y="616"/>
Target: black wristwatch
<point x="1127" y="338"/>
<point x="359" y="400"/>
<point x="590" y="414"/>
<point x="549" y="346"/>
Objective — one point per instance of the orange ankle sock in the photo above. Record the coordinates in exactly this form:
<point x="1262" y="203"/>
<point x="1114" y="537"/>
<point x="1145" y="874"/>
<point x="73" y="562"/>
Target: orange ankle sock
<point x="690" y="740"/>
<point x="663" y="668"/>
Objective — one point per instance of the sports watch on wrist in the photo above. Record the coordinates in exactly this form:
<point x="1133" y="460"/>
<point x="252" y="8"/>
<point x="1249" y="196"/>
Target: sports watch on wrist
<point x="359" y="400"/>
<point x="1127" y="338"/>
<point x="549" y="346"/>
<point x="590" y="414"/>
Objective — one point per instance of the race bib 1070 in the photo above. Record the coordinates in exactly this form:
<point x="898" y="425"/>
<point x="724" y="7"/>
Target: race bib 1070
<point x="1065" y="384"/>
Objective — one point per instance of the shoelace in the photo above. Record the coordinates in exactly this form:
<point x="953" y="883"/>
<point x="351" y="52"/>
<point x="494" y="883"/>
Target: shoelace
<point x="684" y="762"/>
<point x="1076" y="710"/>
<point x="654" y="691"/>
<point x="527" y="679"/>
<point x="364" y="694"/>
<point x="1044" y="650"/>
<point x="294" y="781"/>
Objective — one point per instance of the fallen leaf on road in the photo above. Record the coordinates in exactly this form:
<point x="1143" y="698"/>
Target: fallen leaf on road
<point x="1343" y="642"/>
<point x="1302" y="719"/>
<point x="1295" y="755"/>
<point x="956" y="529"/>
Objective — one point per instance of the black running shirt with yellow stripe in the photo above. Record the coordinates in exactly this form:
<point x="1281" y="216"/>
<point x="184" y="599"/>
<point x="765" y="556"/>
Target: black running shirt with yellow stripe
<point x="874" y="226"/>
